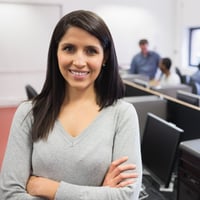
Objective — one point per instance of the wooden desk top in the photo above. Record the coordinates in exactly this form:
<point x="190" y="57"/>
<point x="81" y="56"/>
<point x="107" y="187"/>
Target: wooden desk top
<point x="153" y="92"/>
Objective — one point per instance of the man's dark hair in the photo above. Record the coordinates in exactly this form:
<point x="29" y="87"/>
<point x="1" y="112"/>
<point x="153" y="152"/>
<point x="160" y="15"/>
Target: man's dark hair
<point x="143" y="41"/>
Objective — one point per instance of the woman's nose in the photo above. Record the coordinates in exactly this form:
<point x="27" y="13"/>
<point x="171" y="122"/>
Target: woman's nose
<point x="79" y="59"/>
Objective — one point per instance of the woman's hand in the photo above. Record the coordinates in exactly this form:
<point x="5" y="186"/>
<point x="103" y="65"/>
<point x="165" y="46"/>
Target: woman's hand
<point x="43" y="187"/>
<point x="116" y="176"/>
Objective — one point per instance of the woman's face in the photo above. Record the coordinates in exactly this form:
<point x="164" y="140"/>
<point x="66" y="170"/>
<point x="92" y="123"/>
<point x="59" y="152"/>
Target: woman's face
<point x="80" y="58"/>
<point x="162" y="67"/>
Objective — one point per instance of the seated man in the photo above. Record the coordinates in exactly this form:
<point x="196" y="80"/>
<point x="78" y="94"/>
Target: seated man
<point x="145" y="62"/>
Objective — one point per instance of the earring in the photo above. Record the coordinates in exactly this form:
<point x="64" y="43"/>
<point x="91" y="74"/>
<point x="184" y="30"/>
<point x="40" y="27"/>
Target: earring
<point x="103" y="65"/>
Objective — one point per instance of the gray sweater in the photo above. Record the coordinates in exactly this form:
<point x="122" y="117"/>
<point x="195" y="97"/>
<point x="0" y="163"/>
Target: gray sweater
<point x="78" y="163"/>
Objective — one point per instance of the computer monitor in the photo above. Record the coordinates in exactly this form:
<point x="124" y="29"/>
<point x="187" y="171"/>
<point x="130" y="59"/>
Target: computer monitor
<point x="188" y="97"/>
<point x="186" y="118"/>
<point x="142" y="83"/>
<point x="159" y="148"/>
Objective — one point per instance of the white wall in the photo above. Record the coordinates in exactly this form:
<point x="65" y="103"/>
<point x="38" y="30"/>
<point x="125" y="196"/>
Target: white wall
<point x="188" y="16"/>
<point x="163" y="22"/>
<point x="24" y="39"/>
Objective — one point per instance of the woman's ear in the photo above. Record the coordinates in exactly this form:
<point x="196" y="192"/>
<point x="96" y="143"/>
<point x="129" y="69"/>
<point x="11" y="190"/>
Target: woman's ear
<point x="105" y="59"/>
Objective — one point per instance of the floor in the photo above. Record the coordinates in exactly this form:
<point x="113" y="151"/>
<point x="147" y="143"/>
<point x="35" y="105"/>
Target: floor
<point x="6" y="115"/>
<point x="152" y="189"/>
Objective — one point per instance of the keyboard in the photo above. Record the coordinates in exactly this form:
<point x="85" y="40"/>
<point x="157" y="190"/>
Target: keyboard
<point x="143" y="194"/>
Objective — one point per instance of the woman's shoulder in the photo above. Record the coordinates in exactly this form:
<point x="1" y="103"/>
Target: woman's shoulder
<point x="122" y="105"/>
<point x="124" y="110"/>
<point x="24" y="109"/>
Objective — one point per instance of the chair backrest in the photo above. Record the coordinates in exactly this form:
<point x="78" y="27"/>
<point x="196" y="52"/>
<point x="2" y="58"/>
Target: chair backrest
<point x="185" y="79"/>
<point x="30" y="91"/>
<point x="182" y="78"/>
<point x="145" y="104"/>
<point x="195" y="87"/>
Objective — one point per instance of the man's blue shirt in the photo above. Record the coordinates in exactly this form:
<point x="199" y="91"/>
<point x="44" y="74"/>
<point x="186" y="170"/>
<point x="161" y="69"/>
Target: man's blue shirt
<point x="146" y="65"/>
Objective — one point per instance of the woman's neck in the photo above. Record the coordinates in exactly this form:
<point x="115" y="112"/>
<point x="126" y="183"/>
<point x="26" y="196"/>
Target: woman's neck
<point x="74" y="95"/>
<point x="167" y="73"/>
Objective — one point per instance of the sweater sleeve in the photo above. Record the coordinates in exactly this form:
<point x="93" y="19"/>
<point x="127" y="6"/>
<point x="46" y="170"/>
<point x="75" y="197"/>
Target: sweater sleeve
<point x="16" y="166"/>
<point x="126" y="143"/>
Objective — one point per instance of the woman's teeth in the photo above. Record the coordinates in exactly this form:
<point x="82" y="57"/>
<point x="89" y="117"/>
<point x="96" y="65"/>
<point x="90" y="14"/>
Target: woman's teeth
<point x="78" y="73"/>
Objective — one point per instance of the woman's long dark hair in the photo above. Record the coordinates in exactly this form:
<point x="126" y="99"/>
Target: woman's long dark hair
<point x="109" y="86"/>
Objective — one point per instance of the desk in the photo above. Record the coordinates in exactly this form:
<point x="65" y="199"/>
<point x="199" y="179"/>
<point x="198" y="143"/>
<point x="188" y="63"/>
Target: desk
<point x="148" y="91"/>
<point x="189" y="171"/>
<point x="186" y="116"/>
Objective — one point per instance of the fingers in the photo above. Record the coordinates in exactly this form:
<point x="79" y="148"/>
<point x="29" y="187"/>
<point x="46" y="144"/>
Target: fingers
<point x="125" y="183"/>
<point x="117" y="176"/>
<point x="122" y="168"/>
<point x="125" y="176"/>
<point x="118" y="162"/>
<point x="124" y="179"/>
<point x="117" y="168"/>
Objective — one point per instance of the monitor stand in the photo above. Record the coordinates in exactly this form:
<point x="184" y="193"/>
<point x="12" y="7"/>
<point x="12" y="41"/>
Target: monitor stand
<point x="162" y="188"/>
<point x="170" y="188"/>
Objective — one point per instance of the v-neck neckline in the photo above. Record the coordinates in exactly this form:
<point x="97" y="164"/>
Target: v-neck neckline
<point x="76" y="139"/>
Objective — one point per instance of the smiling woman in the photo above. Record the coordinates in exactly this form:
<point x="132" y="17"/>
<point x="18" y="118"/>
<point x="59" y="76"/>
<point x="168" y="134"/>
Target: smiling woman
<point x="80" y="58"/>
<point x="77" y="139"/>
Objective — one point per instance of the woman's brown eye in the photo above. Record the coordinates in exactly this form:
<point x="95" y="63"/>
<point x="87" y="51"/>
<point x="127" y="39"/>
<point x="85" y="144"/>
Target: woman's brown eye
<point x="68" y="48"/>
<point x="91" y="51"/>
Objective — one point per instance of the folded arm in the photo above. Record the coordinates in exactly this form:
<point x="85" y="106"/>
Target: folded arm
<point x="123" y="178"/>
<point x="16" y="169"/>
<point x="115" y="178"/>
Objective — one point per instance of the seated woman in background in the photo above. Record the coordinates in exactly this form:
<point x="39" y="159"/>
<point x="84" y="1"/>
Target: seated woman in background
<point x="168" y="77"/>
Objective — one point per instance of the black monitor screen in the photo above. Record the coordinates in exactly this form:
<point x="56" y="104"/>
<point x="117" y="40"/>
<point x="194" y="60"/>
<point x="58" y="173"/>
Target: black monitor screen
<point x="188" y="97"/>
<point x="159" y="146"/>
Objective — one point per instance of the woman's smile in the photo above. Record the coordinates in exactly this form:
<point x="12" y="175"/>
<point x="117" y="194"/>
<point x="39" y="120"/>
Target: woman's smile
<point x="79" y="74"/>
<point x="80" y="58"/>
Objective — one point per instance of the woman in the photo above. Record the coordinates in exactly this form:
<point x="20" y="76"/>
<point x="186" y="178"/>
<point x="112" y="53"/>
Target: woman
<point x="169" y="78"/>
<point x="77" y="139"/>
